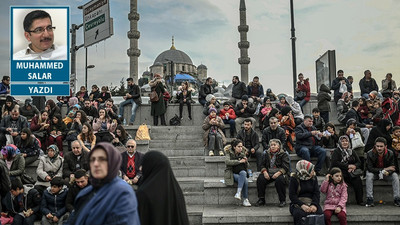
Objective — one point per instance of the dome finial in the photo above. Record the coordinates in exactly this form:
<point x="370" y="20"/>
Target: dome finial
<point x="173" y="47"/>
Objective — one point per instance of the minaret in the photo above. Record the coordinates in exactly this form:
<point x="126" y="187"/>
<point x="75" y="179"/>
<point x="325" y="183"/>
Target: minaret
<point x="244" y="45"/>
<point x="133" y="35"/>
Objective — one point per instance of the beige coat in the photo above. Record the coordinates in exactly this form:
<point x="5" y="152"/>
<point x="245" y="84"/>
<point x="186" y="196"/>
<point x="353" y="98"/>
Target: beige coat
<point x="206" y="127"/>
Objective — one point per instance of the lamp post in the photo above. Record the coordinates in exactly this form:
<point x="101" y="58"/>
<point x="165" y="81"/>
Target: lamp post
<point x="293" y="38"/>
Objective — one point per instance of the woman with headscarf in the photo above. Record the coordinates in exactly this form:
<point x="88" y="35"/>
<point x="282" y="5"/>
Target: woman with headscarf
<point x="343" y="106"/>
<point x="381" y="130"/>
<point x="296" y="110"/>
<point x="304" y="192"/>
<point x="160" y="198"/>
<point x="109" y="199"/>
<point x="14" y="160"/>
<point x="158" y="108"/>
<point x="50" y="166"/>
<point x="348" y="161"/>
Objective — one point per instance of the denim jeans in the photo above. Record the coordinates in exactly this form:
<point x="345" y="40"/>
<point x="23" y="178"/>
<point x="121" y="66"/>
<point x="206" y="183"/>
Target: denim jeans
<point x="134" y="108"/>
<point x="318" y="151"/>
<point x="241" y="179"/>
<point x="231" y="123"/>
<point x="369" y="183"/>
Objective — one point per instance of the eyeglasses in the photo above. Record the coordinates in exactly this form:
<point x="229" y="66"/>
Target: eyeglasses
<point x="100" y="160"/>
<point x="130" y="146"/>
<point x="40" y="30"/>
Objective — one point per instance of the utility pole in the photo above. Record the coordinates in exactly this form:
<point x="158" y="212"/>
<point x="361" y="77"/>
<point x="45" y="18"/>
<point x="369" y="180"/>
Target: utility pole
<point x="74" y="49"/>
<point x="293" y="38"/>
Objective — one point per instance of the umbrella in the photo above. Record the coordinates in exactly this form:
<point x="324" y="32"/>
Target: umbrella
<point x="181" y="77"/>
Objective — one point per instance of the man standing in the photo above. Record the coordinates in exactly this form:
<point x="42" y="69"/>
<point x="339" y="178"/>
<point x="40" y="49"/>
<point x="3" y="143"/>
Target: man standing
<point x="74" y="160"/>
<point x="12" y="125"/>
<point x="251" y="141"/>
<point x="132" y="97"/>
<point x="80" y="182"/>
<point x="238" y="90"/>
<point x="381" y="165"/>
<point x="340" y="85"/>
<point x="255" y="90"/>
<point x="367" y="84"/>
<point x="39" y="29"/>
<point x="307" y="137"/>
<point x="131" y="163"/>
<point x="205" y="90"/>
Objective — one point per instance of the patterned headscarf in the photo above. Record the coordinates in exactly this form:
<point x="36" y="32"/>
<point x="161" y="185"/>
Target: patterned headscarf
<point x="9" y="152"/>
<point x="56" y="151"/>
<point x="346" y="153"/>
<point x="304" y="169"/>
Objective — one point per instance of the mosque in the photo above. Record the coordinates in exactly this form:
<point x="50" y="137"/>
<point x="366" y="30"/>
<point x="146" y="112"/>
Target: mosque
<point x="181" y="63"/>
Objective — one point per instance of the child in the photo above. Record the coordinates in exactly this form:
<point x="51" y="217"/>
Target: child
<point x="336" y="196"/>
<point x="228" y="115"/>
<point x="396" y="140"/>
<point x="266" y="108"/>
<point x="377" y="113"/>
<point x="330" y="137"/>
<point x="53" y="202"/>
<point x="363" y="110"/>
<point x="318" y="121"/>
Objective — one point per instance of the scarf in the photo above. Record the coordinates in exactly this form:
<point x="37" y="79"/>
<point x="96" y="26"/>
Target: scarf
<point x="346" y="153"/>
<point x="304" y="169"/>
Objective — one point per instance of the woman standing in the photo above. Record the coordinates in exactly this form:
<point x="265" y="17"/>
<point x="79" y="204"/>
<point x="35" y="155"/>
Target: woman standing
<point x="236" y="170"/>
<point x="160" y="197"/>
<point x="348" y="161"/>
<point x="185" y="97"/>
<point x="158" y="108"/>
<point x="109" y="199"/>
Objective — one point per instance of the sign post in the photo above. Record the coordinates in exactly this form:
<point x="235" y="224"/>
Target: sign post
<point x="97" y="23"/>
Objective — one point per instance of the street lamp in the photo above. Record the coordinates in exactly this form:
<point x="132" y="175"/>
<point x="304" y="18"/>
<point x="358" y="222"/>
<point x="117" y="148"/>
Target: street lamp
<point x="86" y="70"/>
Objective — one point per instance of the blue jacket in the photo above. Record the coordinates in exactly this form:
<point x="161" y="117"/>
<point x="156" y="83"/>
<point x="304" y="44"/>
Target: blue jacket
<point x="304" y="136"/>
<point x="52" y="203"/>
<point x="4" y="88"/>
<point x="114" y="203"/>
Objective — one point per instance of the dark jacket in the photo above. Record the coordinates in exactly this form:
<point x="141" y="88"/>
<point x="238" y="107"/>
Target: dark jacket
<point x="4" y="179"/>
<point x="54" y="203"/>
<point x="304" y="136"/>
<point x="366" y="87"/>
<point x="91" y="111"/>
<point x="206" y="108"/>
<point x="269" y="134"/>
<point x="281" y="163"/>
<point x="238" y="90"/>
<point x="319" y="123"/>
<point x="71" y="160"/>
<point x="138" y="163"/>
<point x="379" y="131"/>
<point x="181" y="97"/>
<point x="158" y="108"/>
<point x="250" y="88"/>
<point x="103" y="96"/>
<point x="31" y="149"/>
<point x="248" y="112"/>
<point x="73" y="191"/>
<point x="336" y="86"/>
<point x="205" y="90"/>
<point x="308" y="188"/>
<point x="29" y="114"/>
<point x="6" y="122"/>
<point x="134" y="90"/>
<point x="336" y="161"/>
<point x="30" y="201"/>
<point x="254" y="139"/>
<point x="353" y="114"/>
<point x="94" y="95"/>
<point x="372" y="161"/>
<point x="4" y="88"/>
<point x="324" y="98"/>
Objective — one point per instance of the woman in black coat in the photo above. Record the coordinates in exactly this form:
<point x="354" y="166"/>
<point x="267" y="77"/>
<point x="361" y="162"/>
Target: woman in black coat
<point x="158" y="108"/>
<point x="348" y="161"/>
<point x="381" y="130"/>
<point x="185" y="97"/>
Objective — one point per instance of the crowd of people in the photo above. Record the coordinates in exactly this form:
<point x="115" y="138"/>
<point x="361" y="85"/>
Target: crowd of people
<point x="366" y="147"/>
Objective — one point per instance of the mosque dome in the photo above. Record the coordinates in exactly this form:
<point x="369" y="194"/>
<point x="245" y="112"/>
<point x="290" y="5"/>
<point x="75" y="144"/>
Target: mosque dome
<point x="201" y="66"/>
<point x="175" y="55"/>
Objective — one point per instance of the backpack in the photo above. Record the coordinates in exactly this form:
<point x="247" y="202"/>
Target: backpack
<point x="175" y="121"/>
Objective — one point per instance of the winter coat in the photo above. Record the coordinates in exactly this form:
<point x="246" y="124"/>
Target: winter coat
<point x="103" y="96"/>
<point x="254" y="139"/>
<point x="304" y="138"/>
<point x="4" y="88"/>
<point x="206" y="108"/>
<point x="372" y="161"/>
<point x="268" y="134"/>
<point x="93" y="96"/>
<point x="158" y="108"/>
<point x="336" y="87"/>
<point x="188" y="96"/>
<point x="35" y="126"/>
<point x="319" y="123"/>
<point x="353" y="114"/>
<point x="134" y="90"/>
<point x="205" y="90"/>
<point x="5" y="184"/>
<point x="336" y="195"/>
<point x="366" y="87"/>
<point x="45" y="166"/>
<point x="248" y="112"/>
<point x="238" y="90"/>
<point x="31" y="149"/>
<point x="31" y="200"/>
<point x="29" y="114"/>
<point x="296" y="109"/>
<point x="17" y="167"/>
<point x="54" y="203"/>
<point x="207" y="126"/>
<point x="250" y="88"/>
<point x="305" y="87"/>
<point x="336" y="161"/>
<point x="91" y="111"/>
<point x="281" y="163"/>
<point x="231" y="111"/>
<point x="6" y="122"/>
<point x="231" y="160"/>
<point x="342" y="109"/>
<point x="324" y="98"/>
<point x="71" y="160"/>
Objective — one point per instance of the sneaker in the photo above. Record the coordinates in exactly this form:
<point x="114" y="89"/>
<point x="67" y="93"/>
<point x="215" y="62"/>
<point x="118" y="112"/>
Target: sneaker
<point x="211" y="153"/>
<point x="246" y="202"/>
<point x="260" y="202"/>
<point x="238" y="196"/>
<point x="397" y="202"/>
<point x="370" y="202"/>
<point x="221" y="153"/>
<point x="190" y="118"/>
<point x="282" y="204"/>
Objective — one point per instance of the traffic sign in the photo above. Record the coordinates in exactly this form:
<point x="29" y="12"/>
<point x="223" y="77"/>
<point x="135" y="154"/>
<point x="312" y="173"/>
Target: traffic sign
<point x="97" y="25"/>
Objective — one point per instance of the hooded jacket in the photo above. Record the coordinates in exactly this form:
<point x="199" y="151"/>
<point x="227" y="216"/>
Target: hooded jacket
<point x="231" y="160"/>
<point x="54" y="203"/>
<point x="324" y="98"/>
<point x="296" y="109"/>
<point x="30" y="200"/>
<point x="29" y="114"/>
<point x="336" y="195"/>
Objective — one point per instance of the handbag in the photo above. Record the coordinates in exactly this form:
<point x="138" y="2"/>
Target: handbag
<point x="50" y="173"/>
<point x="315" y="219"/>
<point x="356" y="173"/>
<point x="26" y="179"/>
<point x="356" y="141"/>
<point x="300" y="95"/>
<point x="175" y="121"/>
<point x="154" y="96"/>
<point x="142" y="133"/>
<point x="39" y="134"/>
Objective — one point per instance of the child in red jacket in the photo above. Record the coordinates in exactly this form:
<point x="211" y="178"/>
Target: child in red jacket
<point x="228" y="115"/>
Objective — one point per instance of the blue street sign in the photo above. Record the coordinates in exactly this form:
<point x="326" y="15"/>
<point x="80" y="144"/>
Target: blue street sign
<point x="39" y="89"/>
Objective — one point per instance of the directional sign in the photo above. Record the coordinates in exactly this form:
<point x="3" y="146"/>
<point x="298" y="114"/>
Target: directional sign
<point x="96" y="21"/>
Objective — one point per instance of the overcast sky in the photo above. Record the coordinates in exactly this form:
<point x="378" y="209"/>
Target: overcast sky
<point x="364" y="33"/>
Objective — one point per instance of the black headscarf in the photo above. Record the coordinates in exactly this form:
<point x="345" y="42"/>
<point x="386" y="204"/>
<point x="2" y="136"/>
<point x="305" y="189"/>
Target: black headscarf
<point x="114" y="163"/>
<point x="160" y="197"/>
<point x="285" y="110"/>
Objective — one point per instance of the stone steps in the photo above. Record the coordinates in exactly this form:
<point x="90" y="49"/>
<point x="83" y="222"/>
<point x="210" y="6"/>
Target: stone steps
<point x="170" y="152"/>
<point x="176" y="145"/>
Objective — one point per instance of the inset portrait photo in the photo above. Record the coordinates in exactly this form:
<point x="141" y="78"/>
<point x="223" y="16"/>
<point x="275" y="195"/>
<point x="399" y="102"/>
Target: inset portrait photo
<point x="39" y="33"/>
